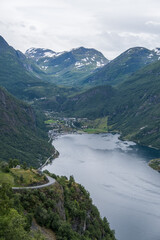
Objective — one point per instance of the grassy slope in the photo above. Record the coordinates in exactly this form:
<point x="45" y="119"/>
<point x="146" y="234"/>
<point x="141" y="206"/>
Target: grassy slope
<point x="98" y="125"/>
<point x="6" y="178"/>
<point x="21" y="177"/>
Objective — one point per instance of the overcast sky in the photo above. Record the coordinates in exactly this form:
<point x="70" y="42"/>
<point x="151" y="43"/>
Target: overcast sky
<point x="110" y="26"/>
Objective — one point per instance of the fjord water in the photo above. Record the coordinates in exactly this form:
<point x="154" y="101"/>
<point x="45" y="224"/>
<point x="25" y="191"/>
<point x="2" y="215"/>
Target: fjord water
<point x="122" y="185"/>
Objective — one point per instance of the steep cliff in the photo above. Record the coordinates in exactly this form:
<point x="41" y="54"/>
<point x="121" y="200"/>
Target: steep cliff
<point x="67" y="209"/>
<point x="21" y="133"/>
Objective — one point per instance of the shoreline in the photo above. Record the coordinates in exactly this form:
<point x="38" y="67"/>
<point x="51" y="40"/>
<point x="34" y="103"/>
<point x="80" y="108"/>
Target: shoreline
<point x="49" y="160"/>
<point x="137" y="142"/>
<point x="155" y="164"/>
<point x="54" y="135"/>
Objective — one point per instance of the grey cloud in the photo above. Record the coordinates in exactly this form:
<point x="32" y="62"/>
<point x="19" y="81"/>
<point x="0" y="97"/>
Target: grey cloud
<point x="33" y="28"/>
<point x="22" y="25"/>
<point x="110" y="26"/>
<point x="134" y="24"/>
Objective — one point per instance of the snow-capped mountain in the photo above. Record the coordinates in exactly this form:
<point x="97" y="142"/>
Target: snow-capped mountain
<point x="67" y="68"/>
<point x="83" y="66"/>
<point x="40" y="53"/>
<point x="123" y="66"/>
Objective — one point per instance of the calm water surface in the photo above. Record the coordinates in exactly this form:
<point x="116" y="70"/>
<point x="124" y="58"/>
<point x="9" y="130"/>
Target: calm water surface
<point x="116" y="174"/>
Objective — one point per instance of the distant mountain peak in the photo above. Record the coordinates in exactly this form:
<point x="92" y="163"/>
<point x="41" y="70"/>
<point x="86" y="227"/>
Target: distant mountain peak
<point x="84" y="50"/>
<point x="78" y="48"/>
<point x="123" y="66"/>
<point x="135" y="49"/>
<point x="68" y="67"/>
<point x="40" y="53"/>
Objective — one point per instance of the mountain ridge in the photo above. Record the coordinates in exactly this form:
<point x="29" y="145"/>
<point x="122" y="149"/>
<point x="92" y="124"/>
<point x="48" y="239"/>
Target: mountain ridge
<point x="123" y="66"/>
<point x="66" y="68"/>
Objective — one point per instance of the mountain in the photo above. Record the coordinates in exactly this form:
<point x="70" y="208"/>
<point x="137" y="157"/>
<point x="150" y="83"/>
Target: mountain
<point x="136" y="114"/>
<point x="21" y="133"/>
<point x="66" y="68"/>
<point x="16" y="75"/>
<point x="122" y="67"/>
<point x="133" y="109"/>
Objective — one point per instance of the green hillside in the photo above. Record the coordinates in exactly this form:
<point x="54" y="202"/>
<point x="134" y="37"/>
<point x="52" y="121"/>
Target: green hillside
<point x="20" y="177"/>
<point x="137" y="113"/>
<point x="13" y="75"/>
<point x="21" y="133"/>
<point x="17" y="77"/>
<point x="93" y="103"/>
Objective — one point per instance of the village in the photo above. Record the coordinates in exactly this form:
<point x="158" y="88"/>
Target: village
<point x="63" y="125"/>
<point x="58" y="125"/>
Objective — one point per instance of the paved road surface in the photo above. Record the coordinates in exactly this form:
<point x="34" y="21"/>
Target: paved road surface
<point x="50" y="179"/>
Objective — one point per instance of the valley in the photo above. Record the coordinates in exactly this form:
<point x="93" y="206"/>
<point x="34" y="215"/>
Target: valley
<point x="131" y="106"/>
<point x="47" y="95"/>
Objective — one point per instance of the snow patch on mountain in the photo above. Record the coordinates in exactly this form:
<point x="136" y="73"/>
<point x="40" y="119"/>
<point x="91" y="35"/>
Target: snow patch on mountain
<point x="85" y="62"/>
<point x="150" y="55"/>
<point x="59" y="53"/>
<point x="157" y="51"/>
<point x="100" y="64"/>
<point x="49" y="54"/>
<point x="79" y="64"/>
<point x="44" y="67"/>
<point x="31" y="51"/>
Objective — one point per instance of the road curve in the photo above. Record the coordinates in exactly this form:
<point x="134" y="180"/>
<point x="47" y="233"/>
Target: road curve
<point x="50" y="179"/>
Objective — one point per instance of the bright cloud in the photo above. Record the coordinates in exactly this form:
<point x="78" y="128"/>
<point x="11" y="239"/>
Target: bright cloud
<point x="110" y="26"/>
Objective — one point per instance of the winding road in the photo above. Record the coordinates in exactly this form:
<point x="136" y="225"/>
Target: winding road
<point x="50" y="179"/>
